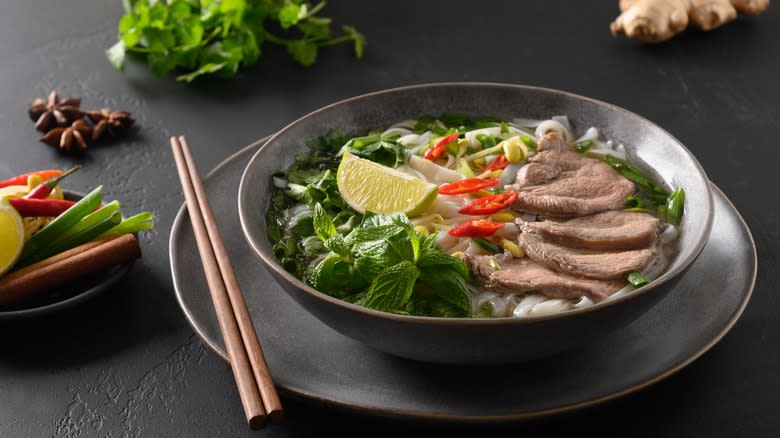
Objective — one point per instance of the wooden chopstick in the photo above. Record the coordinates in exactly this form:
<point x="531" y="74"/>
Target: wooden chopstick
<point x="250" y="369"/>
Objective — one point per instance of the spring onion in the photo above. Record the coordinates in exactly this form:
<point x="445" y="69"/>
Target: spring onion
<point x="46" y="236"/>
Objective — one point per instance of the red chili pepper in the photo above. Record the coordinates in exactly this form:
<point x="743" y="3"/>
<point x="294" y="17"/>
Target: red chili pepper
<point x="40" y="207"/>
<point x="41" y="191"/>
<point x="21" y="180"/>
<point x="467" y="185"/>
<point x="436" y="151"/>
<point x="489" y="204"/>
<point x="476" y="228"/>
<point x="498" y="163"/>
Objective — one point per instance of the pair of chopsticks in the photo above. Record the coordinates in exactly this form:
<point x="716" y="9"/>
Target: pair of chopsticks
<point x="250" y="370"/>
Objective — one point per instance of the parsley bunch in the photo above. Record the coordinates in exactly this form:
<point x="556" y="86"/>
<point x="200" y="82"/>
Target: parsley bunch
<point x="219" y="36"/>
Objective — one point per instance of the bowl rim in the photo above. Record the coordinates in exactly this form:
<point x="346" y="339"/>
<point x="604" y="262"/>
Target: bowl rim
<point x="272" y="264"/>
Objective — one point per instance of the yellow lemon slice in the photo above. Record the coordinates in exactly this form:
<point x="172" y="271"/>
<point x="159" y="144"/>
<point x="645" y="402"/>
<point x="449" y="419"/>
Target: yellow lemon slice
<point x="369" y="186"/>
<point x="11" y="236"/>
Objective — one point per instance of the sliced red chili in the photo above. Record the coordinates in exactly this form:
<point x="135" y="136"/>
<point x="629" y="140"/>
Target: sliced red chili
<point x="437" y="151"/>
<point x="476" y="228"/>
<point x="498" y="163"/>
<point x="467" y="185"/>
<point x="489" y="204"/>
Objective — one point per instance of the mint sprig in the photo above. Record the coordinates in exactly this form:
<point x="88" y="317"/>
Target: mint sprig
<point x="217" y="37"/>
<point x="385" y="264"/>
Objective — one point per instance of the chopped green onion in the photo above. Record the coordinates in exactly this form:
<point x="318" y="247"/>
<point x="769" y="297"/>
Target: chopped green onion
<point x="494" y="264"/>
<point x="637" y="279"/>
<point x="528" y="141"/>
<point x="633" y="202"/>
<point x="487" y="245"/>
<point x="634" y="174"/>
<point x="674" y="206"/>
<point x="584" y="146"/>
<point x="487" y="141"/>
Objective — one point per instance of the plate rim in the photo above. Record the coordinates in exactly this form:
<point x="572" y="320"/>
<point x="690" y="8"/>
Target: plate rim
<point x="479" y="418"/>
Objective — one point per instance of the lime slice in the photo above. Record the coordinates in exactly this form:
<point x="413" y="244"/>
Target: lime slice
<point x="369" y="186"/>
<point x="11" y="236"/>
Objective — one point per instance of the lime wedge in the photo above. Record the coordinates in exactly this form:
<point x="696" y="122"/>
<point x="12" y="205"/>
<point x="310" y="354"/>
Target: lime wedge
<point x="369" y="186"/>
<point x="11" y="236"/>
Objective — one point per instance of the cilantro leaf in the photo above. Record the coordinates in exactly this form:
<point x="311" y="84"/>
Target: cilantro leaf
<point x="210" y="37"/>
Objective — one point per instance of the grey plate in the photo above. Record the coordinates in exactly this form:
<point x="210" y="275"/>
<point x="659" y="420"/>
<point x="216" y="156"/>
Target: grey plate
<point x="310" y="360"/>
<point x="65" y="297"/>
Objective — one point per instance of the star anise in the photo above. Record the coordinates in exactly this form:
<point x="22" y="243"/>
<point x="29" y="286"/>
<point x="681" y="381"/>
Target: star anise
<point x="50" y="113"/>
<point x="73" y="137"/>
<point x="109" y="122"/>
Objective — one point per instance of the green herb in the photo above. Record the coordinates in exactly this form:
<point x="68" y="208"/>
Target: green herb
<point x="380" y="149"/>
<point x="637" y="279"/>
<point x="392" y="267"/>
<point x="217" y="37"/>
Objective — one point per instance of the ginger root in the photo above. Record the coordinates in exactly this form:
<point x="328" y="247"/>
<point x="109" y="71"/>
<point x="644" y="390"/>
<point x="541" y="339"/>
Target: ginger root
<point x="653" y="21"/>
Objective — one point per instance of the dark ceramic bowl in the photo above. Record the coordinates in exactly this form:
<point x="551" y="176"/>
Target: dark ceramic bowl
<point x="479" y="340"/>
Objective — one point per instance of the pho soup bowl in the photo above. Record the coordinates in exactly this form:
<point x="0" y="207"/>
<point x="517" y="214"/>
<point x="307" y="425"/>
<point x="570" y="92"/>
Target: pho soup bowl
<point x="480" y="340"/>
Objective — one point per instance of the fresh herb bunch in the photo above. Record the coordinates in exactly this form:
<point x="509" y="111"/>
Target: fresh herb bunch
<point x="219" y="36"/>
<point x="385" y="264"/>
<point x="350" y="262"/>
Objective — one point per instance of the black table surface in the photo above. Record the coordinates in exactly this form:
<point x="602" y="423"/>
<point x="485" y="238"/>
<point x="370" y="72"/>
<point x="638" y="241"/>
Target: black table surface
<point x="128" y="364"/>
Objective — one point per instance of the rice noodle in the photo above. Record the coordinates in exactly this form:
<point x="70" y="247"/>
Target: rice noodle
<point x="443" y="214"/>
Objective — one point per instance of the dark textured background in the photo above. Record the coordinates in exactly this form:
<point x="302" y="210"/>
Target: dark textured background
<point x="127" y="364"/>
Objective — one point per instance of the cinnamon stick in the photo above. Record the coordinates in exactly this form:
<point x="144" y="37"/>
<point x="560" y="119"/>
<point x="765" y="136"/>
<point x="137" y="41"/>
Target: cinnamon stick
<point x="83" y="260"/>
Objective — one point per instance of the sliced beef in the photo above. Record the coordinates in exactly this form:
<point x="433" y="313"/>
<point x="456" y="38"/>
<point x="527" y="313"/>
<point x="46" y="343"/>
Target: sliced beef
<point x="523" y="275"/>
<point x="559" y="182"/>
<point x="610" y="230"/>
<point x="603" y="265"/>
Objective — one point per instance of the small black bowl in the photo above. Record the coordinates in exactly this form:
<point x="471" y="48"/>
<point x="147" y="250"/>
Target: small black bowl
<point x="65" y="297"/>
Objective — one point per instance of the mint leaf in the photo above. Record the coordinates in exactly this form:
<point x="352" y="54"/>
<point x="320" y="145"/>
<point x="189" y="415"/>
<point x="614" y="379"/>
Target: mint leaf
<point x="336" y="277"/>
<point x="432" y="256"/>
<point x="337" y="244"/>
<point x="323" y="224"/>
<point x="368" y="235"/>
<point x="449" y="286"/>
<point x="392" y="287"/>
